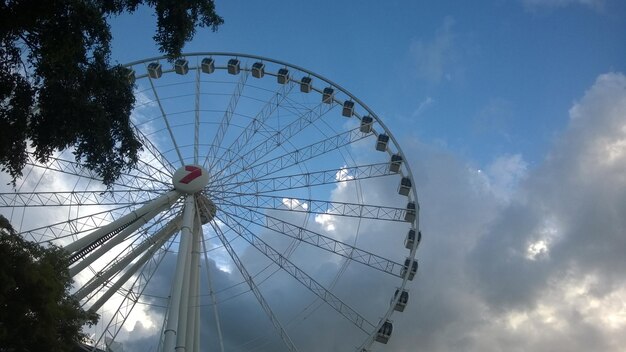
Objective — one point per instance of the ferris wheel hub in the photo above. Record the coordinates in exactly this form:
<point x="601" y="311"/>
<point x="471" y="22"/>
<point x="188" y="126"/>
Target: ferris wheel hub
<point x="190" y="179"/>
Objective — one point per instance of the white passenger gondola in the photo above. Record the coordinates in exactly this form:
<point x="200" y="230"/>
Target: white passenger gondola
<point x="234" y="66"/>
<point x="396" y="162"/>
<point x="181" y="66"/>
<point x="155" y="70"/>
<point x="405" y="186"/>
<point x="410" y="212"/>
<point x="348" y="108"/>
<point x="258" y="70"/>
<point x="305" y="84"/>
<point x="208" y="65"/>
<point x="402" y="301"/>
<point x="328" y="95"/>
<point x="384" y="333"/>
<point x="283" y="76"/>
<point x="381" y="142"/>
<point x="410" y="274"/>
<point x="366" y="124"/>
<point x="412" y="239"/>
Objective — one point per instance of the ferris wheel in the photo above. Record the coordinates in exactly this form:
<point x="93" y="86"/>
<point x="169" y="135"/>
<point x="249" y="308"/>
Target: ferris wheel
<point x="270" y="210"/>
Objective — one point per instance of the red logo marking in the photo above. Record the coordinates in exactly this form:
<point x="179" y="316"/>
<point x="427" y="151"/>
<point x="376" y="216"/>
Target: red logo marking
<point x="194" y="173"/>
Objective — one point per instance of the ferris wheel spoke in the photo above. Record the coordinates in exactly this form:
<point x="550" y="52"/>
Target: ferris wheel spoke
<point x="148" y="171"/>
<point x="165" y="119"/>
<point x="75" y="198"/>
<point x="196" y="128"/>
<point x="314" y="206"/>
<point x="76" y="169"/>
<point x="225" y="123"/>
<point x="295" y="157"/>
<point x="316" y="239"/>
<point x="278" y="138"/>
<point x="257" y="293"/>
<point x="310" y="179"/>
<point x="75" y="226"/>
<point x="132" y="295"/>
<point x="305" y="279"/>
<point x="236" y="148"/>
<point x="155" y="153"/>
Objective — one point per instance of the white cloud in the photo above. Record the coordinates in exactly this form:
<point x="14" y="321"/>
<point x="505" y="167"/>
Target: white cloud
<point x="539" y="271"/>
<point x="424" y="104"/>
<point x="293" y="203"/>
<point x="568" y="221"/>
<point x="504" y="174"/>
<point x="433" y="58"/>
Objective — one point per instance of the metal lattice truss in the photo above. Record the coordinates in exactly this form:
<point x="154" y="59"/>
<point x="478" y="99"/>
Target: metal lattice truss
<point x="156" y="161"/>
<point x="228" y="115"/>
<point x="263" y="169"/>
<point x="315" y="206"/>
<point x="146" y="178"/>
<point x="248" y="214"/>
<point x="309" y="179"/>
<point x="239" y="146"/>
<point x="77" y="226"/>
<point x="77" y="198"/>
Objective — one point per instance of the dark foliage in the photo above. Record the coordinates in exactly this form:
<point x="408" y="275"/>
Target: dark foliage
<point x="58" y="89"/>
<point x="37" y="312"/>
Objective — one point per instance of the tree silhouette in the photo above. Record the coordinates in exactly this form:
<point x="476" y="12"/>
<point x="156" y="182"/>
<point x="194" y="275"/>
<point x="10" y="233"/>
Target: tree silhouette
<point x="58" y="89"/>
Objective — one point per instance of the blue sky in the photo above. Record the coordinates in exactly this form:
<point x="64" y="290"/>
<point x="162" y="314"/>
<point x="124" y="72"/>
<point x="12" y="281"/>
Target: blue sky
<point x="491" y="77"/>
<point x="512" y="116"/>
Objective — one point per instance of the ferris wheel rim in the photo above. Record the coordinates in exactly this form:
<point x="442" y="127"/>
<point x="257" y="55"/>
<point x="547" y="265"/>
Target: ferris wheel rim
<point x="413" y="194"/>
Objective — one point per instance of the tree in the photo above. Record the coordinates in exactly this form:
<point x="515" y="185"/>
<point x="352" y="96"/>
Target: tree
<point x="58" y="89"/>
<point x="37" y="312"/>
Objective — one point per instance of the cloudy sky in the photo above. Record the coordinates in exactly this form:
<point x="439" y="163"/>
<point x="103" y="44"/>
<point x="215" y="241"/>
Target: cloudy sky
<point x="512" y="115"/>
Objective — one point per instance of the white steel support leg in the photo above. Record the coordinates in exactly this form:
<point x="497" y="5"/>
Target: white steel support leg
<point x="193" y="289"/>
<point x="132" y="216"/>
<point x="131" y="271"/>
<point x="117" y="239"/>
<point x="184" y="250"/>
<point x="158" y="238"/>
<point x="183" y="317"/>
<point x="196" y="333"/>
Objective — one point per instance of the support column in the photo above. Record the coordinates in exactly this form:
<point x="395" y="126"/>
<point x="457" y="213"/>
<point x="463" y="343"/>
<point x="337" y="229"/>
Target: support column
<point x="183" y="317"/>
<point x="184" y="250"/>
<point x="194" y="308"/>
